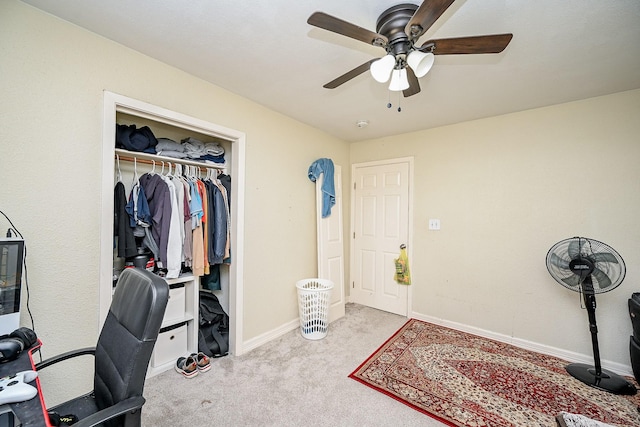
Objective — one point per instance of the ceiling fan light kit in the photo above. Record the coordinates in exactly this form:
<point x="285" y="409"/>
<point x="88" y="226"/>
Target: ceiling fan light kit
<point x="397" y="32"/>
<point x="382" y="68"/>
<point x="420" y="62"/>
<point x="399" y="80"/>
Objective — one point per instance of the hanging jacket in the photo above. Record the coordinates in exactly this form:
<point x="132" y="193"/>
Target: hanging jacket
<point x="121" y="229"/>
<point x="159" y="201"/>
<point x="217" y="224"/>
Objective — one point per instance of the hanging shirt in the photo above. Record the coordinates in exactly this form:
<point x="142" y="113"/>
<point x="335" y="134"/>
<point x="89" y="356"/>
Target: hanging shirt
<point x="187" y="244"/>
<point x="205" y="222"/>
<point x="174" y="241"/>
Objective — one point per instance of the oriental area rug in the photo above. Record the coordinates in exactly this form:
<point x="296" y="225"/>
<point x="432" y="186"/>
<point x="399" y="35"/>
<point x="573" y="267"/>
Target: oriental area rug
<point x="466" y="380"/>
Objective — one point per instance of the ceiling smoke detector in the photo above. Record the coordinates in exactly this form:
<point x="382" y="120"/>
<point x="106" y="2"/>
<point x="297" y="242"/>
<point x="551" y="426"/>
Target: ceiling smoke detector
<point x="362" y="123"/>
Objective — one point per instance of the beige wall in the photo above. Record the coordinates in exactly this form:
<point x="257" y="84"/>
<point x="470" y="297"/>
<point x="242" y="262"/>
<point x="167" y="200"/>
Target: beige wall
<point x="53" y="75"/>
<point x="506" y="189"/>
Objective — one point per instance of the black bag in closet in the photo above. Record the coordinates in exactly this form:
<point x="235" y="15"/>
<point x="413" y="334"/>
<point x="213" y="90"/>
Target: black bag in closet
<point x="213" y="333"/>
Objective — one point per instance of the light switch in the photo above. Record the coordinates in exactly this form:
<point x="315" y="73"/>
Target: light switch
<point x="434" y="224"/>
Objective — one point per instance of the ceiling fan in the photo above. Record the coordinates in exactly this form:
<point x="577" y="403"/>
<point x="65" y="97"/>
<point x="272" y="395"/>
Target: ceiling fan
<point x="397" y="32"/>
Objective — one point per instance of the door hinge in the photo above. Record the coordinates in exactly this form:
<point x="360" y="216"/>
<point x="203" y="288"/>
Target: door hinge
<point x="354" y="234"/>
<point x="354" y="185"/>
<point x="353" y="285"/>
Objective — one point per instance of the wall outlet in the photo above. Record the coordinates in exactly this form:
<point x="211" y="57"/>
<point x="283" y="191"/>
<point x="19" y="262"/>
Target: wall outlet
<point x="434" y="224"/>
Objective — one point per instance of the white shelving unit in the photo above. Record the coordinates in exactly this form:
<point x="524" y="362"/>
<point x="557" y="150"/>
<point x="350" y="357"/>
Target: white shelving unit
<point x="179" y="331"/>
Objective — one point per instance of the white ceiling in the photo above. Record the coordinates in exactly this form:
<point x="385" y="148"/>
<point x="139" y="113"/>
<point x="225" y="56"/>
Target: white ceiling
<point x="562" y="50"/>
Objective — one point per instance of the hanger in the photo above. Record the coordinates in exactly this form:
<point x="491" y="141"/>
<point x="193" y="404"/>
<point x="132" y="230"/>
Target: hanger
<point x="136" y="178"/>
<point x="119" y="173"/>
<point x="191" y="172"/>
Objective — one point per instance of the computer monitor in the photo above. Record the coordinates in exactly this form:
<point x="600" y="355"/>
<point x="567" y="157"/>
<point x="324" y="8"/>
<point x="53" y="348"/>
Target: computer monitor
<point x="11" y="262"/>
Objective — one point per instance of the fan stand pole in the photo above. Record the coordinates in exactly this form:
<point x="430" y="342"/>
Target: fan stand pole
<point x="595" y="376"/>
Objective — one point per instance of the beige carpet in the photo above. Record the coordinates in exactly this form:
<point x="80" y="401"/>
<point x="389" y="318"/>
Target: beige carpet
<point x="288" y="382"/>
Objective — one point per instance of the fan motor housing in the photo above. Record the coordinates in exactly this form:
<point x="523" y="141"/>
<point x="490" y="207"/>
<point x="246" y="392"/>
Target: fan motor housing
<point x="581" y="266"/>
<point x="391" y="24"/>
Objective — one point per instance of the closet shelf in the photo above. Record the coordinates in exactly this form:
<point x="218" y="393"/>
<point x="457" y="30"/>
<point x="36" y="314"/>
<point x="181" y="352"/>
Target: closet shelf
<point x="126" y="155"/>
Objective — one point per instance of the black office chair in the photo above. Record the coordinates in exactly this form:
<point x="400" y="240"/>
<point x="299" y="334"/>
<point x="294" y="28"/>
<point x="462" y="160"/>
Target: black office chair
<point x="634" y="340"/>
<point x="122" y="354"/>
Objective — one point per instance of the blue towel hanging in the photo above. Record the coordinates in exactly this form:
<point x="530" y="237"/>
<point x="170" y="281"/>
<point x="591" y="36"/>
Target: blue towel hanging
<point x="325" y="166"/>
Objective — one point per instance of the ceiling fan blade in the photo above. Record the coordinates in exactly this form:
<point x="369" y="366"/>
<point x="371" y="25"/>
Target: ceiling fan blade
<point x="559" y="262"/>
<point x="337" y="25"/>
<point x="349" y="75"/>
<point x="428" y="12"/>
<point x="605" y="257"/>
<point x="465" y="45"/>
<point x="603" y="280"/>
<point x="414" y="85"/>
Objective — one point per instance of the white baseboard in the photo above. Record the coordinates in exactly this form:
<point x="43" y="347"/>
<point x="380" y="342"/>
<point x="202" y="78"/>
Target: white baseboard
<point x="270" y="335"/>
<point x="569" y="356"/>
<point x="276" y="333"/>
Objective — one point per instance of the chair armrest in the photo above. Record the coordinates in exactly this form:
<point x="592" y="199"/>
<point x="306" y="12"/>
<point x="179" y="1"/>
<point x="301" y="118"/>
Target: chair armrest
<point x="64" y="356"/>
<point x="128" y="405"/>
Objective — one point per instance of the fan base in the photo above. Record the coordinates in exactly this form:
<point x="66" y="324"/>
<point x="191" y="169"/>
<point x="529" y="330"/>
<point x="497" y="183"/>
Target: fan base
<point x="607" y="381"/>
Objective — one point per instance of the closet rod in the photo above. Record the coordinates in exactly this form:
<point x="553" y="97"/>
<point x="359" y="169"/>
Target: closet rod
<point x="158" y="160"/>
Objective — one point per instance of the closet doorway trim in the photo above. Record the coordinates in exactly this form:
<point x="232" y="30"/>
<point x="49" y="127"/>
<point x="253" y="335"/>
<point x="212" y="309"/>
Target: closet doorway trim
<point x="115" y="103"/>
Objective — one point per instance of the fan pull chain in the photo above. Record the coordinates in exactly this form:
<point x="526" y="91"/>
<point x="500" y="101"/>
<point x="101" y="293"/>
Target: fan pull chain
<point x="389" y="105"/>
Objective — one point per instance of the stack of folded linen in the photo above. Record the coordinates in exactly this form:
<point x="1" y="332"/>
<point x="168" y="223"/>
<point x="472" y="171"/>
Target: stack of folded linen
<point x="210" y="152"/>
<point x="169" y="148"/>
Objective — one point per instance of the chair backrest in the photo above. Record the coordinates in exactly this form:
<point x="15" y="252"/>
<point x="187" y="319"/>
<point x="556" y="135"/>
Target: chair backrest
<point x="634" y="313"/>
<point x="128" y="336"/>
<point x="634" y="340"/>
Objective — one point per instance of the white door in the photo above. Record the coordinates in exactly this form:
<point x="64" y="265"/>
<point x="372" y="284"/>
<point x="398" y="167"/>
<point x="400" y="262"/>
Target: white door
<point x="331" y="244"/>
<point x="380" y="224"/>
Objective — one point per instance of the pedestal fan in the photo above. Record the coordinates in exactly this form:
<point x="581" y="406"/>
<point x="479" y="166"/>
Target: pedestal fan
<point x="590" y="267"/>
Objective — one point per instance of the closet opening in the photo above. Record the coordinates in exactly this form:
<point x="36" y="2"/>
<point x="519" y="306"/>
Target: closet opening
<point x="126" y="167"/>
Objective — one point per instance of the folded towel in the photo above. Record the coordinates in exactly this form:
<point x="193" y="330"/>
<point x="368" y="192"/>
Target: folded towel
<point x="196" y="148"/>
<point x="172" y="153"/>
<point x="166" y="144"/>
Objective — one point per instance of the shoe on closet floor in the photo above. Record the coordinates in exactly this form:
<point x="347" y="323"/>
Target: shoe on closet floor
<point x="202" y="361"/>
<point x="187" y="366"/>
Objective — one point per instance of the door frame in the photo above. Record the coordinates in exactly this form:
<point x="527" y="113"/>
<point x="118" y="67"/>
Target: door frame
<point x="336" y="308"/>
<point x="409" y="160"/>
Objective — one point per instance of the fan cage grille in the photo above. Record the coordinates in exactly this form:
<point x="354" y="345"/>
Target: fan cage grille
<point x="609" y="268"/>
